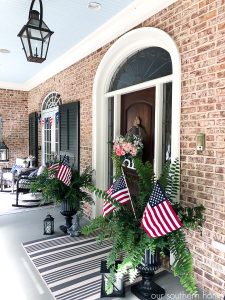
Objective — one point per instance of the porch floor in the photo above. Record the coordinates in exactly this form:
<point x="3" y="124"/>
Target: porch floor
<point x="19" y="279"/>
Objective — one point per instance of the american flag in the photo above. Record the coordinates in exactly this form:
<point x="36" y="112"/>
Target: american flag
<point x="65" y="172"/>
<point x="52" y="170"/>
<point x="159" y="217"/>
<point x="42" y="122"/>
<point x="119" y="192"/>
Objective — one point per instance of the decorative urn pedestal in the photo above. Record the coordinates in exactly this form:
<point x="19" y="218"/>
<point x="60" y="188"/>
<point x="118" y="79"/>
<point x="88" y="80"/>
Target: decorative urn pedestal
<point x="146" y="289"/>
<point x="68" y="211"/>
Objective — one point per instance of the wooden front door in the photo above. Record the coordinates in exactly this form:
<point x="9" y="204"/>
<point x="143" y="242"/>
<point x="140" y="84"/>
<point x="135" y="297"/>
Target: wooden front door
<point x="140" y="104"/>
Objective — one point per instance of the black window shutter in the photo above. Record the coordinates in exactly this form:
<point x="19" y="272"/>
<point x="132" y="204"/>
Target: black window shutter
<point x="33" y="136"/>
<point x="70" y="132"/>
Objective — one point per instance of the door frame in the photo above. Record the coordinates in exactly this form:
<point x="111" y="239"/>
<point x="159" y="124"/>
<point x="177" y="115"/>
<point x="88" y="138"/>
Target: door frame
<point x="125" y="46"/>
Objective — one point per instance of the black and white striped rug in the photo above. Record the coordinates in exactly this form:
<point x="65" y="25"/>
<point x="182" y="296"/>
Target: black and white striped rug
<point x="69" y="265"/>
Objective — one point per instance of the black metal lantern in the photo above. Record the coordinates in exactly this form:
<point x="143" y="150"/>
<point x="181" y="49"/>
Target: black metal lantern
<point x="4" y="152"/>
<point x="49" y="224"/>
<point x="35" y="36"/>
<point x="118" y="287"/>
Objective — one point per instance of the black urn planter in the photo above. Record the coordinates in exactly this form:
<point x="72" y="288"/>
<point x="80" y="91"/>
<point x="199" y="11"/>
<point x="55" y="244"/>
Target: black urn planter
<point x="68" y="211"/>
<point x="146" y="289"/>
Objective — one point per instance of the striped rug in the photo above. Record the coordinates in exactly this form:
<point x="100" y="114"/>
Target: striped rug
<point x="69" y="265"/>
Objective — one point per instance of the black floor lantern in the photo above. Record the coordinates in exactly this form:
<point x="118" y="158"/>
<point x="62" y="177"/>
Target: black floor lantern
<point x="49" y="225"/>
<point x="118" y="287"/>
<point x="146" y="289"/>
<point x="35" y="36"/>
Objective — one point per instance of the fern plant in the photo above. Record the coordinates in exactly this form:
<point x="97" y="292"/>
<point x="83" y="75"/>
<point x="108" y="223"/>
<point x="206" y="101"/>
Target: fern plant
<point x="130" y="240"/>
<point x="55" y="190"/>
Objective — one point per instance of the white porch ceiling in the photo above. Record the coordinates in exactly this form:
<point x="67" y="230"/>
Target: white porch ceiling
<point x="74" y="26"/>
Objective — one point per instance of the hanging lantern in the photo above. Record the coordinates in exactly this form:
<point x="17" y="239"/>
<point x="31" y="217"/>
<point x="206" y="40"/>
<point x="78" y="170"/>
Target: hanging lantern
<point x="49" y="225"/>
<point x="35" y="36"/>
<point x="118" y="286"/>
<point x="4" y="152"/>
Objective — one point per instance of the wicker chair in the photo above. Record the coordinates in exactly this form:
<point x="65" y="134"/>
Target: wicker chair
<point x="23" y="186"/>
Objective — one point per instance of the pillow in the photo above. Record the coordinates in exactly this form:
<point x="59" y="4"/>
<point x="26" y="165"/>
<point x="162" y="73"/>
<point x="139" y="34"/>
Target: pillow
<point x="40" y="170"/>
<point x="22" y="162"/>
<point x="16" y="168"/>
<point x="33" y="174"/>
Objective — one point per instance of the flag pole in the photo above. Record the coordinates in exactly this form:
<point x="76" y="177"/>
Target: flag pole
<point x="129" y="193"/>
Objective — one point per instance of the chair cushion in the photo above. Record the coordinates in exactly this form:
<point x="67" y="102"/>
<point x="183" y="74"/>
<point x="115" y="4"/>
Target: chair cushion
<point x="22" y="162"/>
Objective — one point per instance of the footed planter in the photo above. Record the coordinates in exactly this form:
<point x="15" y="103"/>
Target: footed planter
<point x="146" y="289"/>
<point x="68" y="211"/>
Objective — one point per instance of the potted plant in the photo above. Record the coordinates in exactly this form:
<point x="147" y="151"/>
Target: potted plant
<point x="123" y="225"/>
<point x="71" y="194"/>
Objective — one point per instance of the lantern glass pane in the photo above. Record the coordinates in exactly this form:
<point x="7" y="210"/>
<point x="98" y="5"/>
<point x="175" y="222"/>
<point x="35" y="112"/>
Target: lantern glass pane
<point x="48" y="227"/>
<point x="35" y="34"/>
<point x="3" y="154"/>
<point x="25" y="44"/>
<point x="45" y="47"/>
<point x="36" y="46"/>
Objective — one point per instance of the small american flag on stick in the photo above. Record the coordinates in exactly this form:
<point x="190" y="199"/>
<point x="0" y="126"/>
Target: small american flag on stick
<point x="119" y="192"/>
<point x="65" y="172"/>
<point x="159" y="217"/>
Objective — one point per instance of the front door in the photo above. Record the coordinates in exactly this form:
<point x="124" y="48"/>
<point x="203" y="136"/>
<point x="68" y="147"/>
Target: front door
<point x="140" y="105"/>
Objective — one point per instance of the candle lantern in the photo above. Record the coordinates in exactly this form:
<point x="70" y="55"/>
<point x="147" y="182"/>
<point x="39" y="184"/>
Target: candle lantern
<point x="118" y="286"/>
<point x="49" y="225"/>
<point x="35" y="36"/>
<point x="4" y="152"/>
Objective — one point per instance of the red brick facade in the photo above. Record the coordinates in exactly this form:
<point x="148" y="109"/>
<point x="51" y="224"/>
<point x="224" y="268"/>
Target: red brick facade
<point x="14" y="113"/>
<point x="198" y="28"/>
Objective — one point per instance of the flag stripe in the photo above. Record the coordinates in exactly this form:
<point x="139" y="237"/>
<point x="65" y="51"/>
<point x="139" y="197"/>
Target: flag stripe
<point x="166" y="223"/>
<point x="156" y="222"/>
<point x="176" y="221"/>
<point x="146" y="226"/>
<point x="148" y="222"/>
<point x="150" y="219"/>
<point x="163" y="221"/>
<point x="167" y="215"/>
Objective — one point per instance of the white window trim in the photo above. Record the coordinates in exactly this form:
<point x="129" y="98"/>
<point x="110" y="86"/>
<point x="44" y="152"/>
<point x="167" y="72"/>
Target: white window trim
<point x="50" y="112"/>
<point x="125" y="46"/>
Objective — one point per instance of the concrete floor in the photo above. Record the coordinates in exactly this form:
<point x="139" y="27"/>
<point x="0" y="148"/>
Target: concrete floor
<point x="18" y="278"/>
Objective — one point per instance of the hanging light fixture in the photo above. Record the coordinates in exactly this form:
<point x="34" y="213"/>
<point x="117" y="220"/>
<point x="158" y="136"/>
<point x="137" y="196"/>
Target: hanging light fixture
<point x="35" y="36"/>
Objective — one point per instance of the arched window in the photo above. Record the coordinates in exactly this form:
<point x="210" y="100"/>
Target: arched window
<point x="142" y="66"/>
<point x="50" y="126"/>
<point x="51" y="100"/>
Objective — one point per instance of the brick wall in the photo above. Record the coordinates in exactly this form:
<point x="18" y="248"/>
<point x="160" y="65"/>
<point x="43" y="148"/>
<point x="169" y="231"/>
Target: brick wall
<point x="14" y="113"/>
<point x="198" y="28"/>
